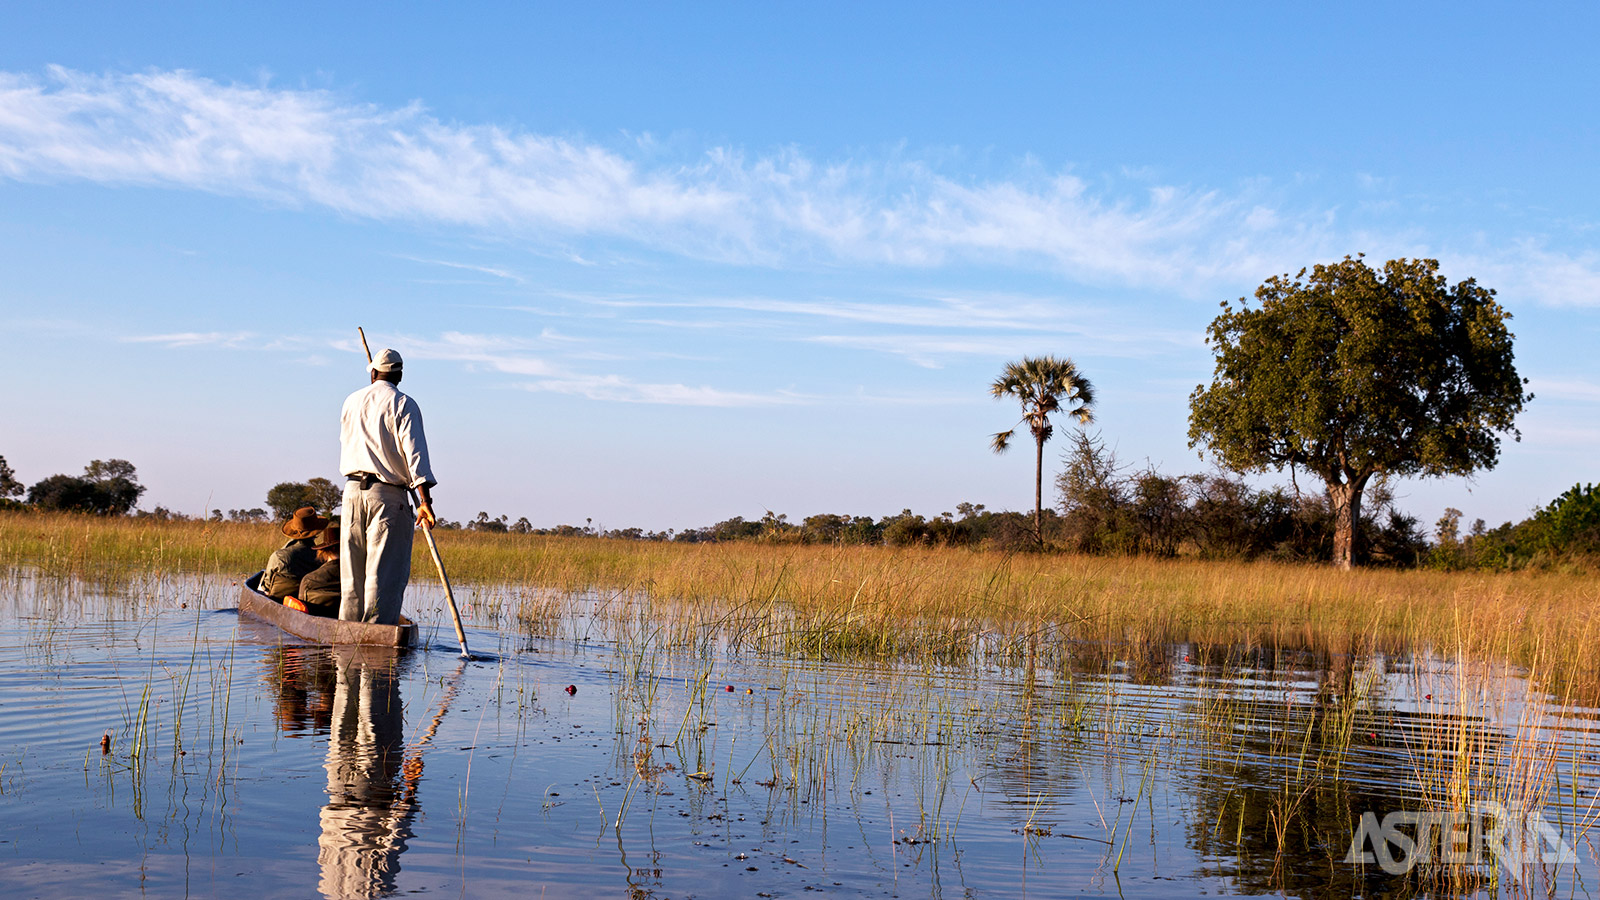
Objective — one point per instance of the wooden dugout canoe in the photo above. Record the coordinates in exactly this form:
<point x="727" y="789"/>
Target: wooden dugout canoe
<point x="318" y="629"/>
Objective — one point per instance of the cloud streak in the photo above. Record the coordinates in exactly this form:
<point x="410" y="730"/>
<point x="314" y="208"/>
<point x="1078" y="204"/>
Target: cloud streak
<point x="176" y="129"/>
<point x="508" y="355"/>
<point x="1565" y="389"/>
<point x="180" y="130"/>
<point x="619" y="389"/>
<point x="943" y="312"/>
<point x="991" y="324"/>
<point x="301" y="147"/>
<point x="517" y="356"/>
<point x="1527" y="269"/>
<point x="930" y="351"/>
<point x="192" y="339"/>
<point x="497" y="272"/>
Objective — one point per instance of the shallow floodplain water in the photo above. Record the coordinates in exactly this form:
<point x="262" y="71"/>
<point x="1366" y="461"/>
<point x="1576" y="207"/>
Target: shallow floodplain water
<point x="153" y="743"/>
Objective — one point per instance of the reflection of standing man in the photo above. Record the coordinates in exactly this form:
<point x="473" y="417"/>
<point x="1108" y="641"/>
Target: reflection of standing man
<point x="384" y="453"/>
<point x="367" y="820"/>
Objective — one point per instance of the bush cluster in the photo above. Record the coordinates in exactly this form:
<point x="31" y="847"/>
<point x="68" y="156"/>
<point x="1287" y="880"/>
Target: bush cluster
<point x="1565" y="532"/>
<point x="107" y="487"/>
<point x="1107" y="507"/>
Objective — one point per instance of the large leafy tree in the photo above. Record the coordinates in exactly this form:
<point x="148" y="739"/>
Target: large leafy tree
<point x="118" y="482"/>
<point x="1044" y="386"/>
<point x="1353" y="374"/>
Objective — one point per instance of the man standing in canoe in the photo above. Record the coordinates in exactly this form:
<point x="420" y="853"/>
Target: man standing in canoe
<point x="383" y="454"/>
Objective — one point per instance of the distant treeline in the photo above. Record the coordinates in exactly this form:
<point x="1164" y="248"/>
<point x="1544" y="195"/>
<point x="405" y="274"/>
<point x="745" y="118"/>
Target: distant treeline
<point x="1105" y="508"/>
<point x="1110" y="508"/>
<point x="974" y="526"/>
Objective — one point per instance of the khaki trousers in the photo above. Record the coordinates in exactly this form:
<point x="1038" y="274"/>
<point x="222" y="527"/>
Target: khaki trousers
<point x="374" y="552"/>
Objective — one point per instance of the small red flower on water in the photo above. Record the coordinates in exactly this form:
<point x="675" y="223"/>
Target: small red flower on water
<point x="1427" y="696"/>
<point x="572" y="689"/>
<point x="1372" y="735"/>
<point x="730" y="688"/>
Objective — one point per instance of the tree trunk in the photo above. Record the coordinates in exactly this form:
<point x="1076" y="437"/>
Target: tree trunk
<point x="1346" y="501"/>
<point x="1038" y="490"/>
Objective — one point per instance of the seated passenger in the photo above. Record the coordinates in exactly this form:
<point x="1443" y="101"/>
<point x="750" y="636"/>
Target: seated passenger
<point x="319" y="591"/>
<point x="297" y="558"/>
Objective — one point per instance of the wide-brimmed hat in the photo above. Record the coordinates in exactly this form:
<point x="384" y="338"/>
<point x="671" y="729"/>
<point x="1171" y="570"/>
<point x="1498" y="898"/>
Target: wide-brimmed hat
<point x="329" y="538"/>
<point x="304" y="523"/>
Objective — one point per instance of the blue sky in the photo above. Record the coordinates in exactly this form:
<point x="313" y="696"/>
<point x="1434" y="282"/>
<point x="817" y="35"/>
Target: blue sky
<point x="659" y="267"/>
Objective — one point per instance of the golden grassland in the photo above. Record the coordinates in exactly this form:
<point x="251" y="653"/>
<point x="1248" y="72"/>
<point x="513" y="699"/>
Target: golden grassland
<point x="898" y="599"/>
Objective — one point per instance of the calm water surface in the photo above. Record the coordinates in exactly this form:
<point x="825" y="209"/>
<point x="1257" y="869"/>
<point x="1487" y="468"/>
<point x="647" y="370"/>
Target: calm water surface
<point x="153" y="743"/>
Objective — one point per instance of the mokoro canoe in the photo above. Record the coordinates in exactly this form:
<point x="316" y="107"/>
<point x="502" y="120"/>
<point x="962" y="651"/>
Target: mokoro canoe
<point x="318" y="629"/>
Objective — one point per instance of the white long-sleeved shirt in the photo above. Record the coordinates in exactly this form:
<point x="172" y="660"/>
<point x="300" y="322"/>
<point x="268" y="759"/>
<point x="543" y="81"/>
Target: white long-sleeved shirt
<point x="380" y="431"/>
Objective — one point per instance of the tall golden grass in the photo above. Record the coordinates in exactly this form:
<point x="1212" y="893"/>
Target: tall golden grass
<point x="897" y="599"/>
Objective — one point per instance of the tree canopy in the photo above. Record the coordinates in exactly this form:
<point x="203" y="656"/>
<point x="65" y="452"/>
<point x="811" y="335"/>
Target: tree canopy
<point x="9" y="485"/>
<point x="1351" y="373"/>
<point x="287" y="496"/>
<point x="108" y="487"/>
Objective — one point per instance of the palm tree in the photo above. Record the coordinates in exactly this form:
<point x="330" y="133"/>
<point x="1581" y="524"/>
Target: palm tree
<point x="1043" y="385"/>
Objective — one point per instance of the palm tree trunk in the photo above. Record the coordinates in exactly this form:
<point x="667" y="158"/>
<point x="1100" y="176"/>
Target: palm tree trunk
<point x="1038" y="490"/>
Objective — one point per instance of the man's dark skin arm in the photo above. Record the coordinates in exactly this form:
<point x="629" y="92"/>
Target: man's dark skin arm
<point x="425" y="516"/>
<point x="425" y="509"/>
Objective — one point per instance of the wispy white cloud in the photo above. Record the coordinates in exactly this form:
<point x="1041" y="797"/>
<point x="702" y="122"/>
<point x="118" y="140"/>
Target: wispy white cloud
<point x="1564" y="389"/>
<point x="928" y="352"/>
<point x="1528" y="270"/>
<point x="618" y="389"/>
<point x="621" y="389"/>
<point x="941" y="312"/>
<point x="932" y="351"/>
<point x="192" y="338"/>
<point x="521" y="357"/>
<point x="306" y="147"/>
<point x="497" y="272"/>
<point x="510" y="355"/>
<point x="178" y="129"/>
<point x="934" y="329"/>
<point x="175" y="128"/>
<point x="1540" y="436"/>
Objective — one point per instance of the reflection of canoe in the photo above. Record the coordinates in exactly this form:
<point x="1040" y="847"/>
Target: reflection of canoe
<point x="318" y="629"/>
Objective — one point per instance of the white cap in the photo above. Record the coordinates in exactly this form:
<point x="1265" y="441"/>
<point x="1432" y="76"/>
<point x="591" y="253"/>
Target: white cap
<point x="386" y="361"/>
